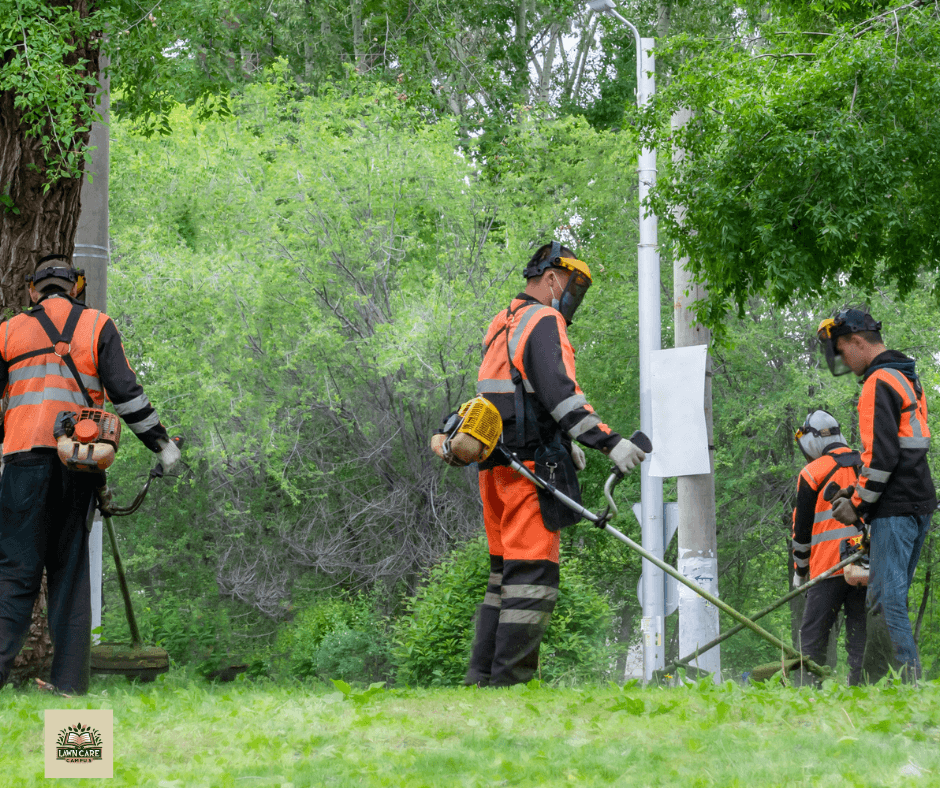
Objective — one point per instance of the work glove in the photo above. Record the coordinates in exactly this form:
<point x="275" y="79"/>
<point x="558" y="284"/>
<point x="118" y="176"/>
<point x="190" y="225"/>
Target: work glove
<point x="169" y="454"/>
<point x="578" y="458"/>
<point x="626" y="455"/>
<point x="842" y="508"/>
<point x="799" y="580"/>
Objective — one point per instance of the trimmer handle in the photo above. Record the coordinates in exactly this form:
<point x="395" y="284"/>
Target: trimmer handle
<point x="157" y="472"/>
<point x="641" y="440"/>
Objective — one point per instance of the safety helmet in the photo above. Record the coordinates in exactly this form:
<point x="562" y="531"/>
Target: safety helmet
<point x="48" y="275"/>
<point x="848" y="321"/>
<point x="819" y="430"/>
<point x="578" y="282"/>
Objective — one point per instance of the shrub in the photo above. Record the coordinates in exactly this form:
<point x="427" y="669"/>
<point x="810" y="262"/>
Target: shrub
<point x="432" y="641"/>
<point x="337" y="638"/>
<point x="354" y="655"/>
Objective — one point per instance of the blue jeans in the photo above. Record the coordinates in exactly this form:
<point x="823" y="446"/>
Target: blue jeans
<point x="896" y="543"/>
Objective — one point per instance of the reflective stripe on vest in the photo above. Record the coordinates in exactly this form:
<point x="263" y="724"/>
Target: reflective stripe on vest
<point x="913" y="432"/>
<point x="41" y="386"/>
<point x="495" y="376"/>
<point x="827" y="531"/>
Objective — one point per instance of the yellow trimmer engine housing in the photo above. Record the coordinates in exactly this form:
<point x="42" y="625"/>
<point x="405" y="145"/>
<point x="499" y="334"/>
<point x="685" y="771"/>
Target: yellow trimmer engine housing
<point x="470" y="434"/>
<point x="87" y="440"/>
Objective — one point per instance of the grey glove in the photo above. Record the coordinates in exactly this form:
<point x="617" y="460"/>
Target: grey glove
<point x="799" y="580"/>
<point x="169" y="455"/>
<point x="626" y="455"/>
<point x="578" y="458"/>
<point x="843" y="510"/>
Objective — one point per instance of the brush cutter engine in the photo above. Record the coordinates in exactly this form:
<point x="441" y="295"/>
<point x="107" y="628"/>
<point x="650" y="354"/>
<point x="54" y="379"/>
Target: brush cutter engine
<point x="87" y="440"/>
<point x="470" y="434"/>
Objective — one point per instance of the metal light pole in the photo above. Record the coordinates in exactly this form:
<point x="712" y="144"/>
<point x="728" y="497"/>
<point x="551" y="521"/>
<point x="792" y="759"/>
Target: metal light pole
<point x="650" y="334"/>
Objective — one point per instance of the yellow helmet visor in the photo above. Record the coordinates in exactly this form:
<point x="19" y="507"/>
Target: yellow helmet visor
<point x="827" y="342"/>
<point x="575" y="290"/>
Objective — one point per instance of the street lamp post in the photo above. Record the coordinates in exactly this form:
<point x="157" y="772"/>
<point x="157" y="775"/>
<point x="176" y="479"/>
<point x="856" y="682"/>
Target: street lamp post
<point x="650" y="335"/>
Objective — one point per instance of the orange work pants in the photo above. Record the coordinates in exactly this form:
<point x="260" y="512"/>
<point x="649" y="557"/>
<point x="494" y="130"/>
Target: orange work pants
<point x="523" y="584"/>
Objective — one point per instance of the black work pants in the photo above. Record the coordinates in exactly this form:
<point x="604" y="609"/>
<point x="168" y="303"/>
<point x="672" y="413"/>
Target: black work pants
<point x="823" y="603"/>
<point x="44" y="510"/>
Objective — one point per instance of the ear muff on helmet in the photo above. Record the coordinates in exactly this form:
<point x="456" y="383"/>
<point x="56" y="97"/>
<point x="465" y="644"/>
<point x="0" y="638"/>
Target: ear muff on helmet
<point x="848" y="321"/>
<point x="43" y="272"/>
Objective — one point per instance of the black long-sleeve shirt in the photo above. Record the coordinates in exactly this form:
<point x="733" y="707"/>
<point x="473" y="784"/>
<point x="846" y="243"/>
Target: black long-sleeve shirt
<point x="120" y="385"/>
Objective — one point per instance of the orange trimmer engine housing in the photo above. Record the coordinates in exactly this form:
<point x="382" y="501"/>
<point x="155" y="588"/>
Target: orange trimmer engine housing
<point x="87" y="440"/>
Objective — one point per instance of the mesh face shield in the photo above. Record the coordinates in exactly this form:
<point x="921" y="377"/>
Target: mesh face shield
<point x="578" y="283"/>
<point x="573" y="295"/>
<point x="848" y="321"/>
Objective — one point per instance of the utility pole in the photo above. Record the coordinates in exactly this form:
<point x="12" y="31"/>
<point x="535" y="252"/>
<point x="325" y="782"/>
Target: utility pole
<point x="92" y="252"/>
<point x="649" y="327"/>
<point x="698" y="542"/>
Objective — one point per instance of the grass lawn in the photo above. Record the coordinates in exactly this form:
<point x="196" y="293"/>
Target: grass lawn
<point x="178" y="733"/>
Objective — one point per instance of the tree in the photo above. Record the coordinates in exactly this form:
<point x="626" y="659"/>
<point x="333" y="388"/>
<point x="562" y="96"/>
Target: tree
<point x="181" y="50"/>
<point x="812" y="157"/>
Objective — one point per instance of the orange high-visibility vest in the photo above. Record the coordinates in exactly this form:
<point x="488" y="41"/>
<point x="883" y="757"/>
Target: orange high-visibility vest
<point x="40" y="384"/>
<point x="827" y="531"/>
<point x="913" y="432"/>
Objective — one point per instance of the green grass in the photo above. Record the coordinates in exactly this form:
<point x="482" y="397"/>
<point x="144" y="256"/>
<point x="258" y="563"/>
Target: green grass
<point x="178" y="733"/>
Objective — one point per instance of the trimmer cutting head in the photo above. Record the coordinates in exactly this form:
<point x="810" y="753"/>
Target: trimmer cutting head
<point x="136" y="662"/>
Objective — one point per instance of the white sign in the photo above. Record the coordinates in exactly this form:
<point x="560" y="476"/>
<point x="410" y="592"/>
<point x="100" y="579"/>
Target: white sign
<point x="677" y="390"/>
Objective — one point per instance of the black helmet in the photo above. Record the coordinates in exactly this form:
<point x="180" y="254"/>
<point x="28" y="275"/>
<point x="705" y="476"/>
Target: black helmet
<point x="48" y="275"/>
<point x="578" y="283"/>
<point x="848" y="321"/>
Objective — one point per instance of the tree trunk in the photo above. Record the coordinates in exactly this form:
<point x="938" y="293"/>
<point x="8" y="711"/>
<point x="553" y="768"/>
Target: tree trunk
<point x="36" y="217"/>
<point x="359" y="52"/>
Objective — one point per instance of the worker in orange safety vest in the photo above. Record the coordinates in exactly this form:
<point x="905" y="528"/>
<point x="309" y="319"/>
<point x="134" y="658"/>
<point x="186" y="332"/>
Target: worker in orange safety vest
<point x="59" y="355"/>
<point x="528" y="373"/>
<point x="817" y="536"/>
<point x="895" y="497"/>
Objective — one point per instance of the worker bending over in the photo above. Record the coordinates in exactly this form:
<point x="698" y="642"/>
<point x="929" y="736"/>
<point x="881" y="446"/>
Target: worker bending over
<point x="816" y="539"/>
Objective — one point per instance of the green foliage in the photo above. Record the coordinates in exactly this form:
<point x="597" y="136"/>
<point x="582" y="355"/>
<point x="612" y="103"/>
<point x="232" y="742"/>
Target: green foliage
<point x="433" y="640"/>
<point x="337" y="639"/>
<point x="360" y="697"/>
<point x="361" y="656"/>
<point x="41" y="45"/>
<point x="337" y="266"/>
<point x="811" y="159"/>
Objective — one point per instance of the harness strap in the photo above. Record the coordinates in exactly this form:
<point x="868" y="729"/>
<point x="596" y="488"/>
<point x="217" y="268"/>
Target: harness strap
<point x="845" y="459"/>
<point x="65" y="337"/>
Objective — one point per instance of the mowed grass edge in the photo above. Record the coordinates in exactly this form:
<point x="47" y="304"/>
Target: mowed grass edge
<point x="180" y="733"/>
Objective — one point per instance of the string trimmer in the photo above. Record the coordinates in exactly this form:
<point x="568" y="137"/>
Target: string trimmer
<point x="828" y="495"/>
<point x="134" y="660"/>
<point x="602" y="521"/>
